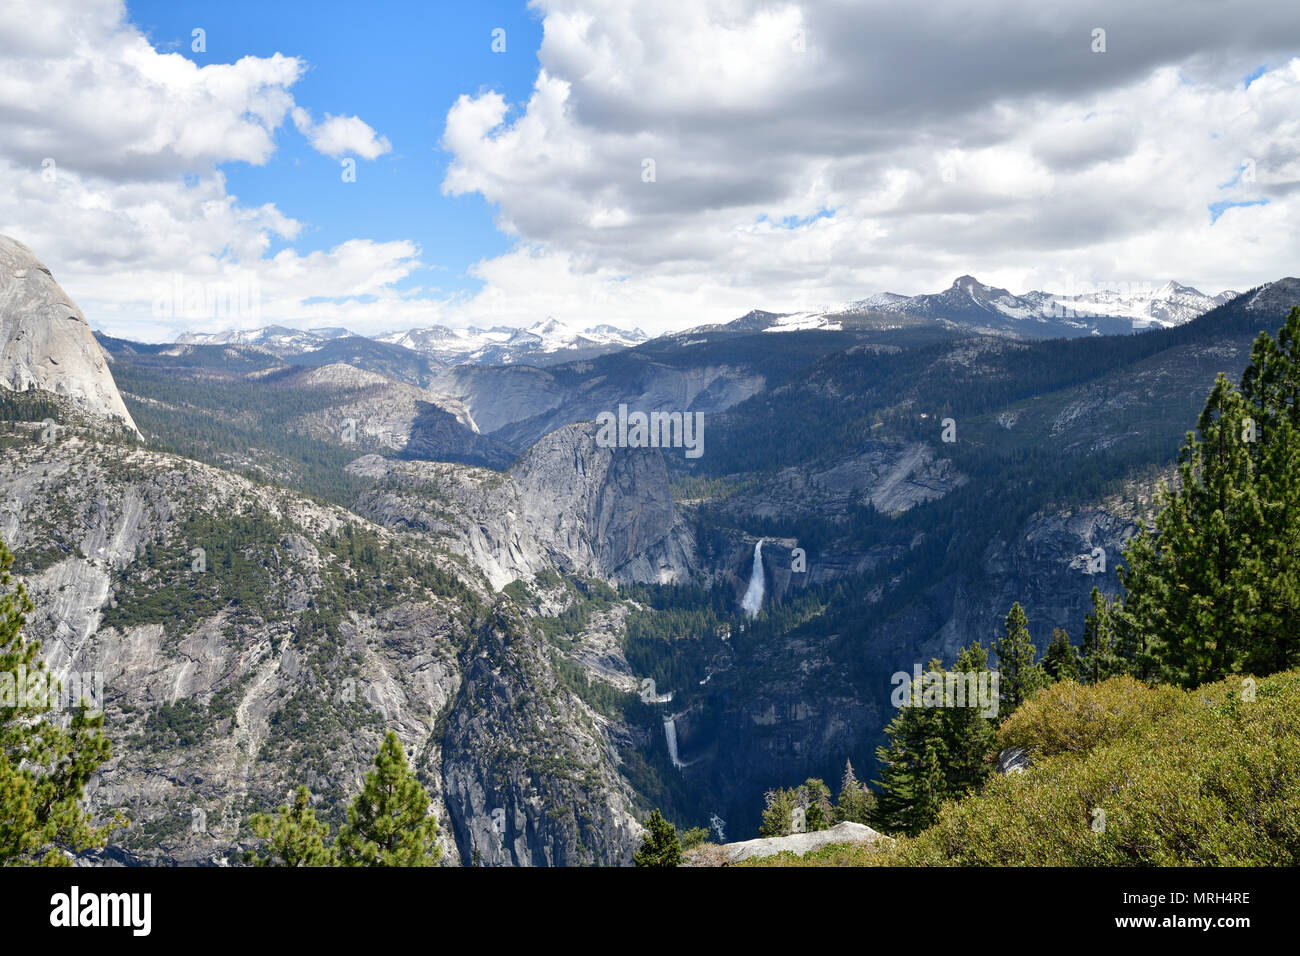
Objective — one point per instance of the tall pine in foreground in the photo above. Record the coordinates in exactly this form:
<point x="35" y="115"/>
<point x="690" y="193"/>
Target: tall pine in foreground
<point x="935" y="753"/>
<point x="389" y="822"/>
<point x="294" y="837"/>
<point x="660" y="846"/>
<point x="1018" y="676"/>
<point x="1271" y="388"/>
<point x="44" y="767"/>
<point x="1214" y="588"/>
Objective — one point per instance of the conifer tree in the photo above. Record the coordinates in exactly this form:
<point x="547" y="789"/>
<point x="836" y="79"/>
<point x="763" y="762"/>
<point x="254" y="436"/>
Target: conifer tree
<point x="779" y="806"/>
<point x="660" y="845"/>
<point x="1102" y="653"/>
<point x="815" y="798"/>
<point x="389" y="822"/>
<point x="1270" y="387"/>
<point x="935" y="753"/>
<point x="1060" y="662"/>
<point x="1018" y="676"/>
<point x="856" y="803"/>
<point x="969" y="736"/>
<point x="44" y="767"/>
<point x="1193" y="587"/>
<point x="911" y="787"/>
<point x="294" y="837"/>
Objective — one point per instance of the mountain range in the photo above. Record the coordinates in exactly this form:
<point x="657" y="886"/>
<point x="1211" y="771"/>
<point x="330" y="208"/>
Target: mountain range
<point x="968" y="304"/>
<point x="446" y="550"/>
<point x="543" y="343"/>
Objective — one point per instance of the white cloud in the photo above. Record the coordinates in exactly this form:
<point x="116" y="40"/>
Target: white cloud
<point x="337" y="135"/>
<point x="110" y="150"/>
<point x="945" y="139"/>
<point x="804" y="154"/>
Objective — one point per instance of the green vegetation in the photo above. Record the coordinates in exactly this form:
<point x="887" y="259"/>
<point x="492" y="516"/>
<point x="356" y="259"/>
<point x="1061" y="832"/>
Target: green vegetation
<point x="935" y="753"/>
<point x="388" y="823"/>
<point x="293" y="836"/>
<point x="1125" y="774"/>
<point x="1202" y="778"/>
<point x="807" y="808"/>
<point x="247" y="425"/>
<point x="207" y="563"/>
<point x="1018" y="676"/>
<point x="44" y="768"/>
<point x="659" y="846"/>
<point x="1215" y="589"/>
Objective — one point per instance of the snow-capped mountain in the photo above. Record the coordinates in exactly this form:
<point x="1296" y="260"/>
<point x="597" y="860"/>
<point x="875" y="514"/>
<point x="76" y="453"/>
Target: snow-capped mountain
<point x="545" y="342"/>
<point x="970" y="302"/>
<point x="274" y="338"/>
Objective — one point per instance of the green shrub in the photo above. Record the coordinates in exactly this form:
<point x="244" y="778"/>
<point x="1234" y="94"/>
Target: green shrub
<point x="1066" y="717"/>
<point x="1126" y="775"/>
<point x="1155" y="778"/>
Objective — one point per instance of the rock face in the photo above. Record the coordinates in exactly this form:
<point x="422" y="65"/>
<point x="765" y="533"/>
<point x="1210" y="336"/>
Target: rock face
<point x="567" y="504"/>
<point x="1012" y="760"/>
<point x="603" y="510"/>
<point x="398" y="416"/>
<point x="45" y="341"/>
<point x="796" y="843"/>
<point x="304" y="634"/>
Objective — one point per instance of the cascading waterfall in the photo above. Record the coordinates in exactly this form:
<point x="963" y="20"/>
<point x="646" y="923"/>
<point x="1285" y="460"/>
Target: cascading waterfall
<point x="670" y="735"/>
<point x="753" y="599"/>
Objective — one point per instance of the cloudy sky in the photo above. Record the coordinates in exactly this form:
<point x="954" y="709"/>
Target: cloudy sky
<point x="658" y="164"/>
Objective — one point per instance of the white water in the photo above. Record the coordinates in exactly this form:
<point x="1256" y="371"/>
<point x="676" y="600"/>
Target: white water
<point x="670" y="734"/>
<point x="753" y="599"/>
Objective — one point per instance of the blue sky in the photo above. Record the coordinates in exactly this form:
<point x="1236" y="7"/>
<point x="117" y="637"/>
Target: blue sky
<point x="806" y="153"/>
<point x="398" y="65"/>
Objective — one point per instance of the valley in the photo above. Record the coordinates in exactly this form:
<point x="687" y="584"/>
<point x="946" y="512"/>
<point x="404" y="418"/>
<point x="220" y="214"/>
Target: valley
<point x="389" y="542"/>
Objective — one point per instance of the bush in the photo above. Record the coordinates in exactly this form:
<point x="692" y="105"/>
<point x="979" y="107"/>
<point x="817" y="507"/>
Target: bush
<point x="1134" y="776"/>
<point x="1127" y="775"/>
<point x="1070" y="718"/>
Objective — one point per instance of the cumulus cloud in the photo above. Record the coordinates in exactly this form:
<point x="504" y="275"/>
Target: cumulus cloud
<point x="81" y="86"/>
<point x="682" y="162"/>
<point x="110" y="151"/>
<point x="337" y="135"/>
<point x="815" y="152"/>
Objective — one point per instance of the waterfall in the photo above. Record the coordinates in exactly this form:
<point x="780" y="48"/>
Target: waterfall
<point x="670" y="735"/>
<point x="753" y="599"/>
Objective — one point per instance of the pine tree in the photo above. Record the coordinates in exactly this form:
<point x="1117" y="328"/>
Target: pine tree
<point x="815" y="798"/>
<point x="294" y="837"/>
<point x="44" y="768"/>
<point x="1018" y="676"/>
<point x="1193" y="588"/>
<point x="1060" y="662"/>
<point x="1102" y="653"/>
<point x="911" y="787"/>
<point x="937" y="751"/>
<point x="856" y="803"/>
<point x="778" y="808"/>
<point x="659" y="846"/>
<point x="1270" y="387"/>
<point x="969" y="736"/>
<point x="389" y="822"/>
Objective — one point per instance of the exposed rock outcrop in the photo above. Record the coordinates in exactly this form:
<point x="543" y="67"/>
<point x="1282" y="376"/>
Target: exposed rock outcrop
<point x="45" y="341"/>
<point x="568" y="503"/>
<point x="305" y="633"/>
<point x="796" y="843"/>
